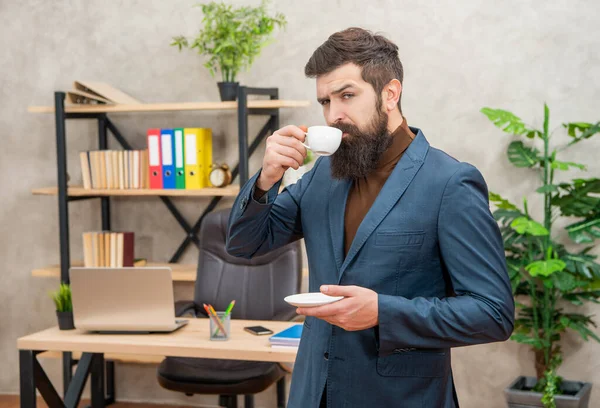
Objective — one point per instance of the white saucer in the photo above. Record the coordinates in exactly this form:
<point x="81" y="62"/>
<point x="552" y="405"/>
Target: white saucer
<point x="311" y="299"/>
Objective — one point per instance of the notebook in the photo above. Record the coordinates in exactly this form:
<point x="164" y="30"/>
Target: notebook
<point x="289" y="337"/>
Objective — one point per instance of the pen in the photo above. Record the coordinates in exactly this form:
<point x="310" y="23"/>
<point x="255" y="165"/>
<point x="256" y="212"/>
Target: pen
<point x="211" y="312"/>
<point x="228" y="310"/>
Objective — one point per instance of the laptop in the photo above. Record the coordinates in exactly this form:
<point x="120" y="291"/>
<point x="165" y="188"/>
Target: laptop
<point x="124" y="300"/>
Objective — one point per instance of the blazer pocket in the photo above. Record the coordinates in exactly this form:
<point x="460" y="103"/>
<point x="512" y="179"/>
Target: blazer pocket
<point x="397" y="238"/>
<point x="427" y="364"/>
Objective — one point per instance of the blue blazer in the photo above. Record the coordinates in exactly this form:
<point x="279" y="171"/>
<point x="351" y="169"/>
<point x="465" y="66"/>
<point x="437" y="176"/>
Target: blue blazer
<point x="428" y="246"/>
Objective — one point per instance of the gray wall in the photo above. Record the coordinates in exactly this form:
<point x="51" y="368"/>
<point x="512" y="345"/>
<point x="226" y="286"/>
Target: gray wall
<point x="458" y="58"/>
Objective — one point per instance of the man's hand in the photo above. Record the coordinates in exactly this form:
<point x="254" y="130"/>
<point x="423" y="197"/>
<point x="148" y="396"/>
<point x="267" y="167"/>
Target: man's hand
<point x="284" y="150"/>
<point x="357" y="311"/>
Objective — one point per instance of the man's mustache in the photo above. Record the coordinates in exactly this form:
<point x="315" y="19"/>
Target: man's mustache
<point x="346" y="128"/>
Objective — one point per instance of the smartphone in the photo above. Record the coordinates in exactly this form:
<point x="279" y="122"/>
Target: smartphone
<point x="258" y="330"/>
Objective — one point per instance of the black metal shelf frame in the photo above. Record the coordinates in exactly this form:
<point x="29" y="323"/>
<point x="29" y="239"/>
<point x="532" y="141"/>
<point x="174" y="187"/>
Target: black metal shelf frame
<point x="105" y="125"/>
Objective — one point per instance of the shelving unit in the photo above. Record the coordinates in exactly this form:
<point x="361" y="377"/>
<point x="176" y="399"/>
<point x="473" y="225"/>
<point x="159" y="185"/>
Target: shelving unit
<point x="244" y="107"/>
<point x="66" y="194"/>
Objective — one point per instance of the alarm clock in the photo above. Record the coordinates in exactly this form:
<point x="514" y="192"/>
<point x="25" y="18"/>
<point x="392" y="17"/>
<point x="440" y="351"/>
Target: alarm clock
<point x="220" y="175"/>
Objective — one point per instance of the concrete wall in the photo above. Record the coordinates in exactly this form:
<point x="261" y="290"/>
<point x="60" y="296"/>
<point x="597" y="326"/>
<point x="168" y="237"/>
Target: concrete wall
<point x="458" y="57"/>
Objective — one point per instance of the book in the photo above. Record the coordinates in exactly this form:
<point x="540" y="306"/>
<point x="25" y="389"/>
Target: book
<point x="85" y="170"/>
<point x="88" y="250"/>
<point x="108" y="249"/>
<point x="81" y="97"/>
<point x="100" y="92"/>
<point x="289" y="337"/>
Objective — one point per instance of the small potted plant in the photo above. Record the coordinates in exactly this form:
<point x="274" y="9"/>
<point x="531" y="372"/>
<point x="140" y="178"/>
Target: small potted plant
<point x="231" y="38"/>
<point x="546" y="274"/>
<point x="64" y="307"/>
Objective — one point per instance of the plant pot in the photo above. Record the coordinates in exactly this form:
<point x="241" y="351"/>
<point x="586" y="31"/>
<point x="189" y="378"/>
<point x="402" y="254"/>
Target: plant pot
<point x="228" y="90"/>
<point x="65" y="320"/>
<point x="519" y="395"/>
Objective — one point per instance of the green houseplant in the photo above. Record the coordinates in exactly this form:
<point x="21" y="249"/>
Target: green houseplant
<point x="64" y="307"/>
<point x="545" y="275"/>
<point x="231" y="38"/>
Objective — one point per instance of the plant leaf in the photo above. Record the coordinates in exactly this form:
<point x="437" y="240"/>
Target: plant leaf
<point x="594" y="285"/>
<point x="506" y="121"/>
<point x="586" y="231"/>
<point x="581" y="263"/>
<point x="566" y="282"/>
<point x="526" y="339"/>
<point x="513" y="265"/>
<point x="546" y="267"/>
<point x="512" y="238"/>
<point x="581" y="130"/>
<point x="531" y="134"/>
<point x="558" y="165"/>
<point x="524" y="225"/>
<point x="523" y="156"/>
<point x="62" y="298"/>
<point x="501" y="202"/>
<point x="581" y="198"/>
<point x="505" y="217"/>
<point x="579" y="323"/>
<point x="550" y="188"/>
<point x="578" y="298"/>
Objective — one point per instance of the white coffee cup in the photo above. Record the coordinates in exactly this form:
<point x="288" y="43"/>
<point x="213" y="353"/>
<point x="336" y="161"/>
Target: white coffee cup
<point x="323" y="140"/>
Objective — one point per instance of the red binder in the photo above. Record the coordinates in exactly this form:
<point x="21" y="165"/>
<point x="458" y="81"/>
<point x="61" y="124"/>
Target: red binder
<point x="154" y="161"/>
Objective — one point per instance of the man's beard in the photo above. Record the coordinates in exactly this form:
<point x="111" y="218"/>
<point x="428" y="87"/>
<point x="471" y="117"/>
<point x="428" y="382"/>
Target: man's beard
<point x="360" y="152"/>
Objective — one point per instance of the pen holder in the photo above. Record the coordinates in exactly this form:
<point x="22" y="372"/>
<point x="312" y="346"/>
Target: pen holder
<point x="220" y="330"/>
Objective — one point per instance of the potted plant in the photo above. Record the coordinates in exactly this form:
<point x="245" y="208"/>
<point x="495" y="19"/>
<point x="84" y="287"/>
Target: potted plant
<point x="64" y="307"/>
<point x="545" y="274"/>
<point x="231" y="38"/>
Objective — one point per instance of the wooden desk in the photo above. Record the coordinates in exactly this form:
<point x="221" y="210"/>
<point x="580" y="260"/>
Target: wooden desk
<point x="190" y="341"/>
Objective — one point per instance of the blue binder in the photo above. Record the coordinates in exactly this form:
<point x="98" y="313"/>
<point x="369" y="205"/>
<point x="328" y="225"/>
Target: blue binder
<point x="168" y="158"/>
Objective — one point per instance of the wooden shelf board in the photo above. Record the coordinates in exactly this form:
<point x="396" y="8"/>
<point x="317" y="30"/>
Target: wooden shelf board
<point x="181" y="272"/>
<point x="165" y="107"/>
<point x="78" y="191"/>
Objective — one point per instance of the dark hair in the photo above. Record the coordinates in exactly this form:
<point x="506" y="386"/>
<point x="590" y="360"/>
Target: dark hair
<point x="376" y="55"/>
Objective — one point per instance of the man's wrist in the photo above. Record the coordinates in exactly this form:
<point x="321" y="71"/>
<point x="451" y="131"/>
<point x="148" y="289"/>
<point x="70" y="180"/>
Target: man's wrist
<point x="258" y="193"/>
<point x="262" y="184"/>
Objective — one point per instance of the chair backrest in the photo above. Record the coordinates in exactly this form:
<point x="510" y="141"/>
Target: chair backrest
<point x="258" y="285"/>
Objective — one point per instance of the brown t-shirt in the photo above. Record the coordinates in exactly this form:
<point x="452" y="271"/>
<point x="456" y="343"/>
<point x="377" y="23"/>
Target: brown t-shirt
<point x="364" y="190"/>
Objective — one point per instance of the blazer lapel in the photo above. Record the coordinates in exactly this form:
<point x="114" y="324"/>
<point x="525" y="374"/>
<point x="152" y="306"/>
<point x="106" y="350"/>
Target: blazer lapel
<point x="338" y="194"/>
<point x="392" y="190"/>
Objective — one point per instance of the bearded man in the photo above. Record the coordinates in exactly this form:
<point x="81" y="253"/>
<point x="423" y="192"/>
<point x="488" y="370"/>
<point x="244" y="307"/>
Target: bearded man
<point x="397" y="227"/>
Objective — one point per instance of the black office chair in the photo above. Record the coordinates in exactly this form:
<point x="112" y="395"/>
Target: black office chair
<point x="258" y="286"/>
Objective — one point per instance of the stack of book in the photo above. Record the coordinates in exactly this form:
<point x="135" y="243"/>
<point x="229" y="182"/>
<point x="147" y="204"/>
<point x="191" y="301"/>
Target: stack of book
<point x="289" y="337"/>
<point x="108" y="249"/>
<point x="114" y="169"/>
